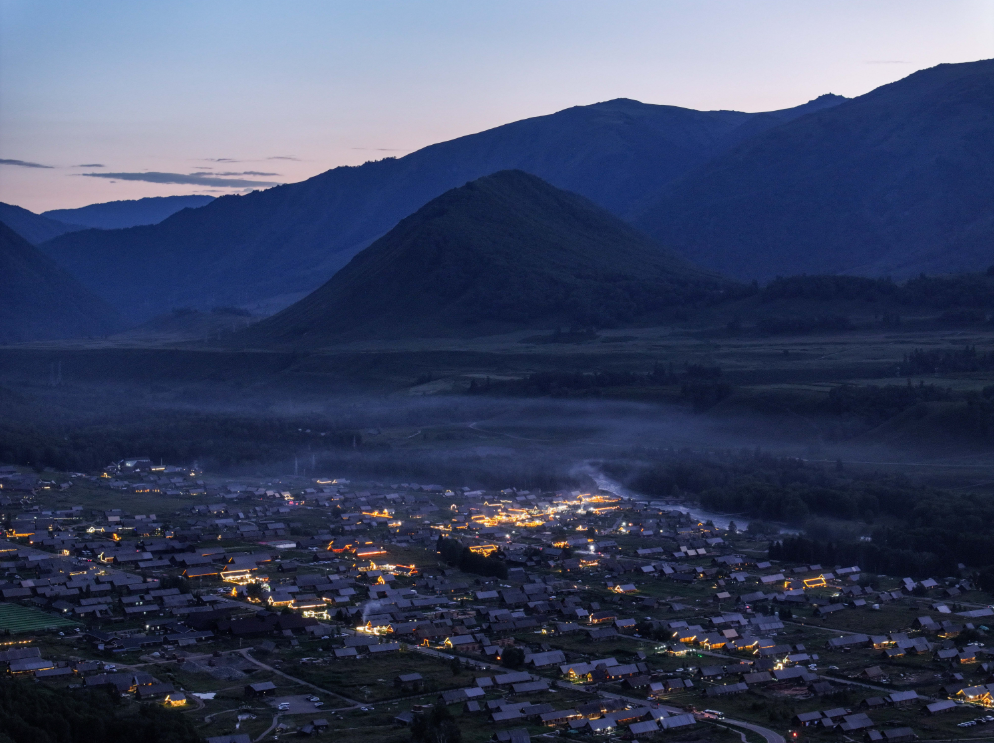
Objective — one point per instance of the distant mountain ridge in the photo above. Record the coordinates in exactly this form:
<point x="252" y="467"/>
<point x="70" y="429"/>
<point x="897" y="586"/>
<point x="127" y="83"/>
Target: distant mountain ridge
<point x="39" y="228"/>
<point x="114" y="215"/>
<point x="895" y="182"/>
<point x="40" y="301"/>
<point x="504" y="252"/>
<point x="291" y="238"/>
<point x="33" y="227"/>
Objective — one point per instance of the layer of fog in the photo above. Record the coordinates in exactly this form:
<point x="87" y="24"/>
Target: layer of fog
<point x="481" y="439"/>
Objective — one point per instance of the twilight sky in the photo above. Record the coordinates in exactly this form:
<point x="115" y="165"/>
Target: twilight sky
<point x="117" y="100"/>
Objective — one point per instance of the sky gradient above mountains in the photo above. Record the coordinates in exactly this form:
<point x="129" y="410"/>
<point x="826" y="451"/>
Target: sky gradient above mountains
<point x="191" y="98"/>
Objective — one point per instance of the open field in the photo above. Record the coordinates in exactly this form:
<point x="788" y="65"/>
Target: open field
<point x="800" y="360"/>
<point x="372" y="679"/>
<point x="775" y="391"/>
<point x="17" y="619"/>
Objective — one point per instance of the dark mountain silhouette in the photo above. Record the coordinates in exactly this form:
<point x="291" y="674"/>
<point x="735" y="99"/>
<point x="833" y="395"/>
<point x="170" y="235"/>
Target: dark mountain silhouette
<point x="33" y="227"/>
<point x="114" y="215"/>
<point x="896" y="182"/>
<point x="40" y="301"/>
<point x="241" y="249"/>
<point x="504" y="252"/>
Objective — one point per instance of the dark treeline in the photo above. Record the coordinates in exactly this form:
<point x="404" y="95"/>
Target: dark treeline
<point x="935" y="292"/>
<point x="884" y="523"/>
<point x="701" y="386"/>
<point x="800" y="324"/>
<point x="435" y="725"/>
<point x="33" y="713"/>
<point x="175" y="437"/>
<point x="550" y="382"/>
<point x="460" y="556"/>
<point x="535" y="468"/>
<point x="979" y="415"/>
<point x="776" y="489"/>
<point x="875" y="404"/>
<point x="969" y="418"/>
<point x="939" y="361"/>
<point x="960" y="300"/>
<point x="870" y="556"/>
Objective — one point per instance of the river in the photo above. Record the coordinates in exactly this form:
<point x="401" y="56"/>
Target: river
<point x="609" y="485"/>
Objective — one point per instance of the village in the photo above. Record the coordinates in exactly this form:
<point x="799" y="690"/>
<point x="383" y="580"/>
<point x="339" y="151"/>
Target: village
<point x="343" y="610"/>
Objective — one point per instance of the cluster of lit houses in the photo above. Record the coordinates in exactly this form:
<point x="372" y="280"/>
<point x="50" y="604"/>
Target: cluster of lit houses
<point x="242" y="565"/>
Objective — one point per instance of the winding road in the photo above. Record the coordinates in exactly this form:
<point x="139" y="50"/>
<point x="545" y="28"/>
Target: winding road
<point x="769" y="735"/>
<point x="352" y="702"/>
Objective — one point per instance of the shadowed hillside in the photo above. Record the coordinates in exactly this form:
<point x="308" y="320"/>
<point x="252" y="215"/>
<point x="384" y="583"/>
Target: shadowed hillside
<point x="33" y="227"/>
<point x="40" y="301"/>
<point x="241" y="250"/>
<point x="895" y="182"/>
<point x="503" y="252"/>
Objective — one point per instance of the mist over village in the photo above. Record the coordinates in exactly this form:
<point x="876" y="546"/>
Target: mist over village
<point x="492" y="373"/>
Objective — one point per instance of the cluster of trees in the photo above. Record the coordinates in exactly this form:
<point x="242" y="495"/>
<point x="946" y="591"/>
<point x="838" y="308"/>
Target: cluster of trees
<point x="705" y="394"/>
<point x="829" y="288"/>
<point x="557" y="382"/>
<point x="802" y="324"/>
<point x="435" y="725"/>
<point x="216" y="440"/>
<point x="971" y="416"/>
<point x="796" y="502"/>
<point x="700" y="386"/>
<point x="884" y="523"/>
<point x="682" y="473"/>
<point x="572" y="335"/>
<point x="875" y="404"/>
<point x="870" y="498"/>
<point x="979" y="418"/>
<point x="512" y="657"/>
<point x="460" y="556"/>
<point x="935" y="292"/>
<point x="703" y="387"/>
<point x="963" y="316"/>
<point x="32" y="713"/>
<point x="925" y="533"/>
<point x="945" y="361"/>
<point x="867" y="555"/>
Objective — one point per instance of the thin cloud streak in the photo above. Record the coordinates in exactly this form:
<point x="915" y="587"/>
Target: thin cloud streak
<point x="246" y="172"/>
<point x="190" y="179"/>
<point x="24" y="164"/>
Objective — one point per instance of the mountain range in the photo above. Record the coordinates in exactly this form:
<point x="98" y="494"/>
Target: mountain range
<point x="895" y="182"/>
<point x="504" y="252"/>
<point x="38" y="228"/>
<point x="33" y="227"/>
<point x="113" y="215"/>
<point x="290" y="239"/>
<point x="40" y="301"/>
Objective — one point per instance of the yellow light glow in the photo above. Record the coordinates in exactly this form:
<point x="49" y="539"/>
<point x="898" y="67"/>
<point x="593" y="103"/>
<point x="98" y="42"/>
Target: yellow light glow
<point x="484" y="549"/>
